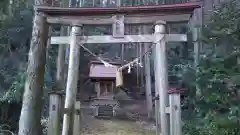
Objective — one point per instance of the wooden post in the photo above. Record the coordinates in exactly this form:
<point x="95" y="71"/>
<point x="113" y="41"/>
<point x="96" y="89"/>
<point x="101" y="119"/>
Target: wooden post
<point x="105" y="89"/>
<point x="161" y="73"/>
<point x="60" y="63"/>
<point x="65" y="31"/>
<point x="112" y="87"/>
<point x="195" y="26"/>
<point x="29" y="123"/>
<point x="148" y="82"/>
<point x="122" y="53"/>
<point x="157" y="112"/>
<point x="77" y="118"/>
<point x="175" y="112"/>
<point x="55" y="108"/>
<point x="72" y="80"/>
<point x="118" y="3"/>
<point x="157" y="116"/>
<point x="97" y="88"/>
<point x="195" y="23"/>
<point x="55" y="98"/>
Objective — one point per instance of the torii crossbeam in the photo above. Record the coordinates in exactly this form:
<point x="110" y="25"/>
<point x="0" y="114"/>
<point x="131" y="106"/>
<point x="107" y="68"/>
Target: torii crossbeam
<point x="119" y="17"/>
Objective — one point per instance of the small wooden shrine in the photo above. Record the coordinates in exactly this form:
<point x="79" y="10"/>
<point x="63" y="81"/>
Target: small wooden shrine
<point x="104" y="79"/>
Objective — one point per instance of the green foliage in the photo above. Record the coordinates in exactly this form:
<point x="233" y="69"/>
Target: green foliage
<point x="16" y="89"/>
<point x="211" y="128"/>
<point x="223" y="28"/>
<point x="15" y="28"/>
<point x="217" y="110"/>
<point x="15" y="34"/>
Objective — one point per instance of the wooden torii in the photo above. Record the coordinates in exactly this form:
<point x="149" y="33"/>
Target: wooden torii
<point x="118" y="17"/>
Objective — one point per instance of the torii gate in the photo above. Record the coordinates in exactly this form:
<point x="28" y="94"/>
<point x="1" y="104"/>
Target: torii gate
<point x="118" y="17"/>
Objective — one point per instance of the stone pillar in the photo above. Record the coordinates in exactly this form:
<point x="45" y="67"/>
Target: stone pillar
<point x="55" y="108"/>
<point x="175" y="112"/>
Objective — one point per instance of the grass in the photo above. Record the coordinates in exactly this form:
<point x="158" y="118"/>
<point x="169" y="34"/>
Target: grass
<point x="116" y="127"/>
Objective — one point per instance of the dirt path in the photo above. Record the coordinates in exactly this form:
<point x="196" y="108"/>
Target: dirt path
<point x="115" y="127"/>
<point x="93" y="126"/>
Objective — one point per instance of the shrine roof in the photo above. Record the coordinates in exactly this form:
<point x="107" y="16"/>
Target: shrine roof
<point x="102" y="72"/>
<point x="179" y="8"/>
<point x="100" y="63"/>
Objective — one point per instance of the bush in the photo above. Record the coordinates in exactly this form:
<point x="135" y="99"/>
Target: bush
<point x="44" y="124"/>
<point x="217" y="110"/>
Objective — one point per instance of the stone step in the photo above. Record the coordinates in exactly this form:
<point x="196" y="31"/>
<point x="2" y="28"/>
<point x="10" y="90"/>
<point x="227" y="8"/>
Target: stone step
<point x="105" y="111"/>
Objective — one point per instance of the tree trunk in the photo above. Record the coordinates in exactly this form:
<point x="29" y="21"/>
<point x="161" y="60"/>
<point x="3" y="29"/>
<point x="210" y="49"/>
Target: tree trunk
<point x="29" y="123"/>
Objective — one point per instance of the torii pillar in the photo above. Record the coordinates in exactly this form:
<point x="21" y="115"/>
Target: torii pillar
<point x="161" y="74"/>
